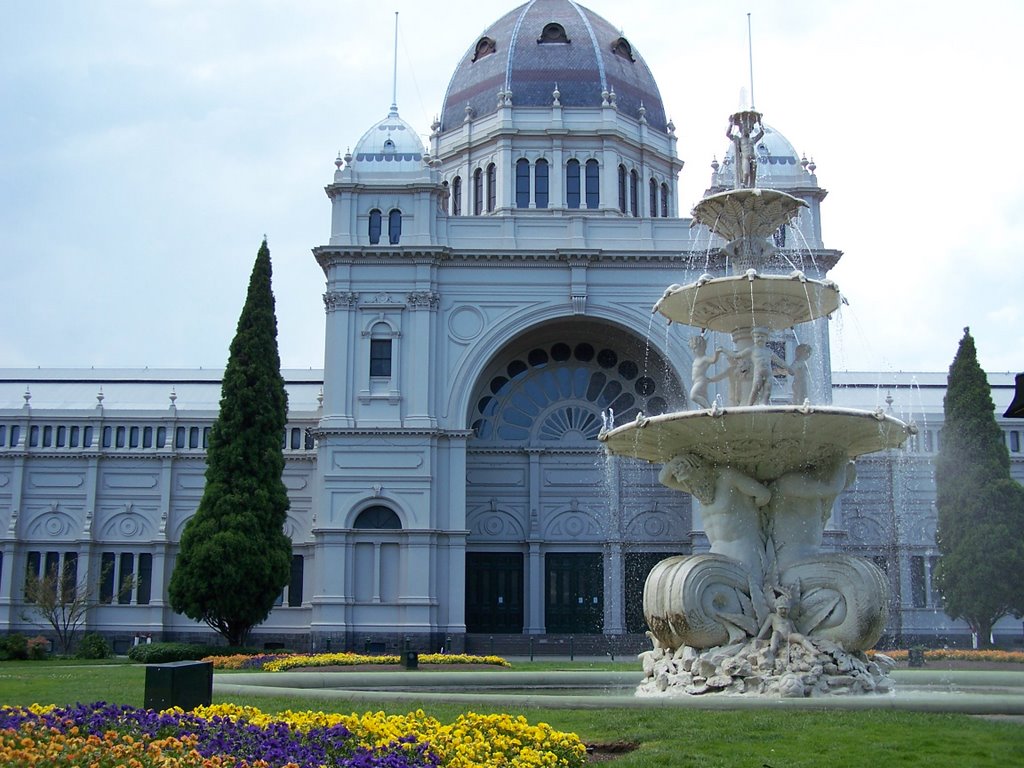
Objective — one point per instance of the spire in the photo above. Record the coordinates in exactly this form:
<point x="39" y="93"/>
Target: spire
<point x="394" y="74"/>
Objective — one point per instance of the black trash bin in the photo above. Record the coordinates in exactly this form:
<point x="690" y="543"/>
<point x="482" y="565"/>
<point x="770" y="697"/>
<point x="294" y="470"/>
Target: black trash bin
<point x="185" y="684"/>
<point x="410" y="659"/>
<point x="915" y="657"/>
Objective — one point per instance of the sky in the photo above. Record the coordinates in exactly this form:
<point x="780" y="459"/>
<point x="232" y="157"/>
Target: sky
<point x="147" y="146"/>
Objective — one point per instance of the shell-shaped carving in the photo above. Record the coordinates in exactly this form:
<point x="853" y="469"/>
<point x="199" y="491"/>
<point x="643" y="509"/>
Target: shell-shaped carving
<point x="129" y="525"/>
<point x="489" y="524"/>
<point x="699" y="600"/>
<point x="843" y="598"/>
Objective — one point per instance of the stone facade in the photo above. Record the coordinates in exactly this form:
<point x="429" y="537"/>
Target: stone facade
<point x="487" y="306"/>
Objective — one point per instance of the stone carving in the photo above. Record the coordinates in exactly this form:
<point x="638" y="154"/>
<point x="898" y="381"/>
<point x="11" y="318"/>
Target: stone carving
<point x="699" y="373"/>
<point x="765" y="611"/>
<point x="335" y="300"/>
<point x="741" y="126"/>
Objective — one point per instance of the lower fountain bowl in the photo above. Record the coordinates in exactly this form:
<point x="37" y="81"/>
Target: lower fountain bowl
<point x="764" y="442"/>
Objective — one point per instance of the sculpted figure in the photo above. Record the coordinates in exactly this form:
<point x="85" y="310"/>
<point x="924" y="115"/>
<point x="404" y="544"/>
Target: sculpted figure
<point x="760" y="359"/>
<point x="741" y="126"/>
<point x="730" y="506"/>
<point x="699" y="373"/>
<point x="783" y="630"/>
<point x="801" y="373"/>
<point x="801" y="504"/>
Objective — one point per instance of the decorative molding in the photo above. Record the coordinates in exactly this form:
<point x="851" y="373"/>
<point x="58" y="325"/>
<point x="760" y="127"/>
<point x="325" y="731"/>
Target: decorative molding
<point x="423" y="299"/>
<point x="335" y="300"/>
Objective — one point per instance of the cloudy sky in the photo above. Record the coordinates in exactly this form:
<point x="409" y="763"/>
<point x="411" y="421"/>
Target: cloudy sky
<point x="146" y="146"/>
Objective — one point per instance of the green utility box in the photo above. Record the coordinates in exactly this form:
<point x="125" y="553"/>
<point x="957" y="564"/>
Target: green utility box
<point x="185" y="684"/>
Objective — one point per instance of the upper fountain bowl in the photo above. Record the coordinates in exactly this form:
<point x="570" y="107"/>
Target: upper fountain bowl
<point x="728" y="304"/>
<point x="746" y="213"/>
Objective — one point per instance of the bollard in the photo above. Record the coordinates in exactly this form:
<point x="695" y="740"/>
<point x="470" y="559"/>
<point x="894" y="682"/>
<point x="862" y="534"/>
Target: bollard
<point x="531" y="647"/>
<point x="572" y="655"/>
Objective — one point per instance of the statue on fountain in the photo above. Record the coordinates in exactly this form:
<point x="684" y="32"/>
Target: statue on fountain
<point x="741" y="127"/>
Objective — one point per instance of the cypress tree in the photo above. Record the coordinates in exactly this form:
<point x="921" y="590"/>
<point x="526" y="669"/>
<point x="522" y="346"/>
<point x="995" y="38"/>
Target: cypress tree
<point x="981" y="508"/>
<point x="234" y="558"/>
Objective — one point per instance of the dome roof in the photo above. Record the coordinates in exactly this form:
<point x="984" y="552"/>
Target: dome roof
<point x="390" y="145"/>
<point x="547" y="42"/>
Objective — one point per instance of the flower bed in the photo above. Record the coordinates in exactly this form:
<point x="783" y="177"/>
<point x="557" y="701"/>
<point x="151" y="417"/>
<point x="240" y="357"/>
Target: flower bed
<point x="281" y="662"/>
<point x="103" y="736"/>
<point x="953" y="654"/>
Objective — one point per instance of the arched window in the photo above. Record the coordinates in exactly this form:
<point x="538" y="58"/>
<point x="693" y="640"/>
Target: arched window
<point x="522" y="183"/>
<point x="375" y="220"/>
<point x="380" y="350"/>
<point x="540" y="182"/>
<point x="457" y="196"/>
<point x="664" y="200"/>
<point x="653" y="202"/>
<point x="478" y="192"/>
<point x="553" y="33"/>
<point x="622" y="188"/>
<point x="572" y="184"/>
<point x="394" y="226"/>
<point x="484" y="47"/>
<point x="593" y="184"/>
<point x="491" y="188"/>
<point x="377" y="517"/>
<point x="634" y="193"/>
<point x="557" y="392"/>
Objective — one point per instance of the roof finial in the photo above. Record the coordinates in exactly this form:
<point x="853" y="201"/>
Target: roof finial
<point x="394" y="73"/>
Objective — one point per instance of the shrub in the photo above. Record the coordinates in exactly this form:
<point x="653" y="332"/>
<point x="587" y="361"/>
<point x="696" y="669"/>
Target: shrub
<point x="93" y="646"/>
<point x="13" y="647"/>
<point x="38" y="647"/>
<point x="162" y="653"/>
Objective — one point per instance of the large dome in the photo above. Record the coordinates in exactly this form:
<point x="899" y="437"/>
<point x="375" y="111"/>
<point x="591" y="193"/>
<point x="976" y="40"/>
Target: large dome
<point x="547" y="42"/>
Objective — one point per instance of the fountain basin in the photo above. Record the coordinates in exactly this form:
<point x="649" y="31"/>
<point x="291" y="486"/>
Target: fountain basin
<point x="728" y="304"/>
<point x="764" y="442"/>
<point x="971" y="692"/>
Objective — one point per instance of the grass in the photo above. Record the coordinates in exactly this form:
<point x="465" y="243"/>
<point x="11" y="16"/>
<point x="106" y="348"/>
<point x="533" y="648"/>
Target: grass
<point x="667" y="737"/>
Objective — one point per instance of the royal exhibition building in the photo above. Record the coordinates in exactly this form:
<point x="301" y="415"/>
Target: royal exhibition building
<point x="488" y="307"/>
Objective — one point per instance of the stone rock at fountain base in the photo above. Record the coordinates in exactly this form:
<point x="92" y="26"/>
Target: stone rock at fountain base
<point x="822" y="668"/>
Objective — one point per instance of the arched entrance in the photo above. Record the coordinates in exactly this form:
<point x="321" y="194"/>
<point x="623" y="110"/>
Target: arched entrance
<point x="543" y="501"/>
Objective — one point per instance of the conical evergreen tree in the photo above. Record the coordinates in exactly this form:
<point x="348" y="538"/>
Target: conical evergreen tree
<point x="981" y="508"/>
<point x="235" y="558"/>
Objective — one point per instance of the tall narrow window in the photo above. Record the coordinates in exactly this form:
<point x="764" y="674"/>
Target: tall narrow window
<point x="1014" y="441"/>
<point x="375" y="221"/>
<point x="622" y="188"/>
<point x="380" y="350"/>
<point x="144" y="579"/>
<point x="540" y="184"/>
<point x="572" y="184"/>
<point x="664" y="200"/>
<point x="478" y="192"/>
<point x="593" y="184"/>
<point x="107" y="565"/>
<point x="491" y="188"/>
<point x="652" y="203"/>
<point x="457" y="196"/>
<point x="634" y="193"/>
<point x="295" y="582"/>
<point x="126" y="577"/>
<point x="522" y="183"/>
<point x="394" y="226"/>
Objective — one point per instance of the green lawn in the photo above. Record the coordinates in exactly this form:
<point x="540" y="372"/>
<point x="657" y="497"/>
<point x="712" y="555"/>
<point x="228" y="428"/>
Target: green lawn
<point x="667" y="737"/>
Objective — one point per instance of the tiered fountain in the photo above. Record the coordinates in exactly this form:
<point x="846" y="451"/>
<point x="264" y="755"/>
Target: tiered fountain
<point x="765" y="611"/>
